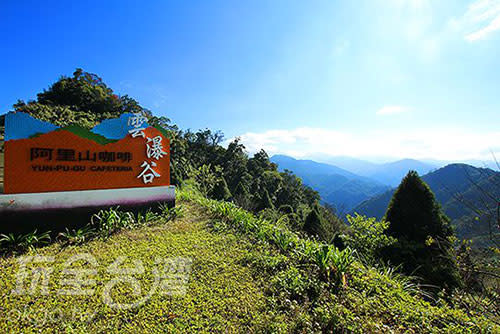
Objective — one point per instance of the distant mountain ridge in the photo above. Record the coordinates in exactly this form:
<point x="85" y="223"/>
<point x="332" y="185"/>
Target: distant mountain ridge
<point x="392" y="173"/>
<point x="309" y="166"/>
<point x="336" y="186"/>
<point x="389" y="173"/>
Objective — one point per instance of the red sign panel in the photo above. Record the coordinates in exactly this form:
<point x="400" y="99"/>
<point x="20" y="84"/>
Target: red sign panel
<point x="63" y="160"/>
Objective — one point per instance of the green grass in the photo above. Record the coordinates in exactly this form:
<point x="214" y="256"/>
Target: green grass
<point x="87" y="134"/>
<point x="370" y="300"/>
<point x="222" y="293"/>
<point x="247" y="276"/>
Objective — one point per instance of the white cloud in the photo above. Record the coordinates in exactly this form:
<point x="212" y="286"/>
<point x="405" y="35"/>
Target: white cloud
<point x="392" y="109"/>
<point x="481" y="19"/>
<point x="481" y="34"/>
<point x="438" y="143"/>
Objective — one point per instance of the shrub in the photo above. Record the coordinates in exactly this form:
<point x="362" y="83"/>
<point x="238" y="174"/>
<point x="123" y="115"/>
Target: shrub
<point x="283" y="239"/>
<point x="205" y="179"/>
<point x="171" y="213"/>
<point x="313" y="224"/>
<point x="367" y="236"/>
<point x="286" y="209"/>
<point x="265" y="201"/>
<point x="10" y="241"/>
<point x="270" y="214"/>
<point x="333" y="263"/>
<point x="221" y="190"/>
<point x="305" y="249"/>
<point x="145" y="218"/>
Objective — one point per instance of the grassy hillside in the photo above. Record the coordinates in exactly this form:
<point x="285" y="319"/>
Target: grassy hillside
<point x="222" y="292"/>
<point x="247" y="275"/>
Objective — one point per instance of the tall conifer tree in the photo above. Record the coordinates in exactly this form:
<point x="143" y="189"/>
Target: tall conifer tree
<point x="221" y="190"/>
<point x="424" y="246"/>
<point x="313" y="224"/>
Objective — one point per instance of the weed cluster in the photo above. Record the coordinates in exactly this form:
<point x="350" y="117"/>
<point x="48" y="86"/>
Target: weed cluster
<point x="102" y="225"/>
<point x="20" y="242"/>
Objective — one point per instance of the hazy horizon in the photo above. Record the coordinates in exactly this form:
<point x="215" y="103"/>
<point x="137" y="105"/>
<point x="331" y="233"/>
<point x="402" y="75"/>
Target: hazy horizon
<point x="326" y="159"/>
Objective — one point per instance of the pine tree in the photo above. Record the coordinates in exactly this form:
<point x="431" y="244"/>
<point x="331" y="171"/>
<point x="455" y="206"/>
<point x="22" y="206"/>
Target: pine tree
<point x="221" y="190"/>
<point x="265" y="201"/>
<point x="423" y="232"/>
<point x="313" y="224"/>
<point x="242" y="197"/>
<point x="286" y="209"/>
<point x="241" y="190"/>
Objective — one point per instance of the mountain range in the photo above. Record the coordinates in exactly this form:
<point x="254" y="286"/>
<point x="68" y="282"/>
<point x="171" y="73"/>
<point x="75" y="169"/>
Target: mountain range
<point x="461" y="190"/>
<point x="351" y="181"/>
<point x="367" y="188"/>
<point x="336" y="186"/>
<point x="389" y="173"/>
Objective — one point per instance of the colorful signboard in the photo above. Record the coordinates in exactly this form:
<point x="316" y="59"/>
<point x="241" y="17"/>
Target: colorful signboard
<point x="119" y="153"/>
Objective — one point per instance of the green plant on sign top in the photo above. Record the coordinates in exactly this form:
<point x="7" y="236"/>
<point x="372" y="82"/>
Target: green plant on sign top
<point x="87" y="134"/>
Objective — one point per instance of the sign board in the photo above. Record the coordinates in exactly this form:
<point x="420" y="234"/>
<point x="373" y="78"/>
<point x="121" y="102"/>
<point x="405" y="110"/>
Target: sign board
<point x="118" y="153"/>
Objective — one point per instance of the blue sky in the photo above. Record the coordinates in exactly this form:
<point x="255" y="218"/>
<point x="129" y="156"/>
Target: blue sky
<point x="371" y="79"/>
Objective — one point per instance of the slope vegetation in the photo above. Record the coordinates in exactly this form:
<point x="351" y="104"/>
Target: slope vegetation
<point x="247" y="275"/>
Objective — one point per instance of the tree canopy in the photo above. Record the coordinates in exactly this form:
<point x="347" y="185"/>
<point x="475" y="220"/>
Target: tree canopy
<point x="82" y="99"/>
